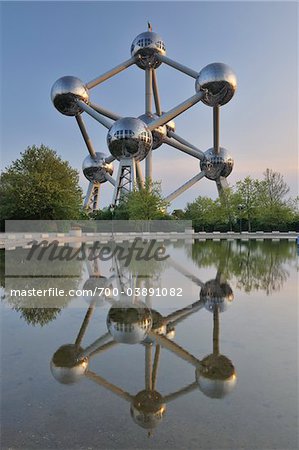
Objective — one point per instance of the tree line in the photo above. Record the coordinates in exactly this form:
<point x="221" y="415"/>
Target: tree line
<point x="41" y="186"/>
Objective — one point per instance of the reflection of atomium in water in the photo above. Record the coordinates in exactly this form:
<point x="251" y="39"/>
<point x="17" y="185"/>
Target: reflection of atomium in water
<point x="129" y="323"/>
<point x="66" y="367"/>
<point x="148" y="409"/>
<point x="216" y="295"/>
<point x="131" y="140"/>
<point x="216" y="376"/>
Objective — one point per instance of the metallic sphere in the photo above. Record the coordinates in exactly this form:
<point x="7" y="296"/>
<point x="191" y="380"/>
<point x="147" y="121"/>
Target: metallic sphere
<point x="220" y="84"/>
<point x="65" y="365"/>
<point x="216" y="376"/>
<point x="146" y="46"/>
<point x="216" y="295"/>
<point x="158" y="133"/>
<point x="129" y="138"/>
<point x="158" y="326"/>
<point x="65" y="93"/>
<point x="91" y="285"/>
<point x="217" y="165"/>
<point x="148" y="409"/>
<point x="94" y="169"/>
<point x="129" y="323"/>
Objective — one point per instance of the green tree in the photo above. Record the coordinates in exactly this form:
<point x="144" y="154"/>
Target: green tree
<point x="146" y="203"/>
<point x="275" y="212"/>
<point x="247" y="198"/>
<point x="202" y="212"/>
<point x="40" y="185"/>
<point x="227" y="208"/>
<point x="274" y="188"/>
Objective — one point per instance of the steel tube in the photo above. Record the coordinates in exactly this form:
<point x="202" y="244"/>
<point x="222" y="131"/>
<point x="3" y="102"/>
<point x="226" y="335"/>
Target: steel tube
<point x="91" y="348"/>
<point x="107" y="385"/>
<point x="139" y="175"/>
<point x="148" y="367"/>
<point x="183" y="141"/>
<point x="175" y="348"/>
<point x="149" y="166"/>
<point x="221" y="184"/>
<point x="216" y="110"/>
<point x="185" y="273"/>
<point x="184" y="187"/>
<point x="110" y="73"/>
<point x="174" y="395"/>
<point x="177" y="110"/>
<point x="109" y="159"/>
<point x="84" y="325"/>
<point x="104" y="348"/>
<point x="156" y="94"/>
<point x="110" y="179"/>
<point x="181" y="314"/>
<point x="184" y="148"/>
<point x="216" y="328"/>
<point x="88" y="194"/>
<point x="86" y="138"/>
<point x="156" y="366"/>
<point x="105" y="112"/>
<point x="170" y="62"/>
<point x="148" y="91"/>
<point x="90" y="111"/>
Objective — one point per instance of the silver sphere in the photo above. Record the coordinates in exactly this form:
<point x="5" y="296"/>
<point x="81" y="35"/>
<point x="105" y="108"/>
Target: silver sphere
<point x="158" y="133"/>
<point x="65" y="93"/>
<point x="216" y="295"/>
<point x="129" y="323"/>
<point x="146" y="46"/>
<point x="159" y="326"/>
<point x="220" y="84"/>
<point x="65" y="365"/>
<point x="217" y="165"/>
<point x="216" y="376"/>
<point x="94" y="169"/>
<point x="148" y="409"/>
<point x="91" y="285"/>
<point x="129" y="138"/>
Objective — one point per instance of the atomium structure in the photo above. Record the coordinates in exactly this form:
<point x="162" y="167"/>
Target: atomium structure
<point x="131" y="140"/>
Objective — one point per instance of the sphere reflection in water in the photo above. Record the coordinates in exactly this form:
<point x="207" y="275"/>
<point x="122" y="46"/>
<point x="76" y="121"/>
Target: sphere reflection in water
<point x="148" y="409"/>
<point x="216" y="295"/>
<point x="129" y="323"/>
<point x="216" y="376"/>
<point x="65" y="365"/>
<point x="94" y="284"/>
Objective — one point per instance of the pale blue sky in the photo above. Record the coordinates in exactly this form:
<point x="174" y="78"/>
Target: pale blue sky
<point x="42" y="41"/>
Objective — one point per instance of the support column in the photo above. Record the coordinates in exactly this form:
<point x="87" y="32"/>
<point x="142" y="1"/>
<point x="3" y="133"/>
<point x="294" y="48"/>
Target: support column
<point x="148" y="110"/>
<point x="92" y="198"/>
<point x="125" y="180"/>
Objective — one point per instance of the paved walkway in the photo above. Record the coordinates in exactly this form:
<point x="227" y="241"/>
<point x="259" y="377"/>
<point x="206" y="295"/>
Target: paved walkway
<point x="12" y="240"/>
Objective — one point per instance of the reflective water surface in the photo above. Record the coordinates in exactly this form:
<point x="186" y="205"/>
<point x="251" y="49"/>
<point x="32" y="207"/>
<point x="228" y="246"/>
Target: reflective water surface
<point x="212" y="368"/>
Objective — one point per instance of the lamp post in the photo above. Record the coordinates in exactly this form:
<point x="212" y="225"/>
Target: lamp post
<point x="240" y="208"/>
<point x="112" y="208"/>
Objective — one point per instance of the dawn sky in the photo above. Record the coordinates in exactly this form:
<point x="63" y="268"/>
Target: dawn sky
<point x="42" y="41"/>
